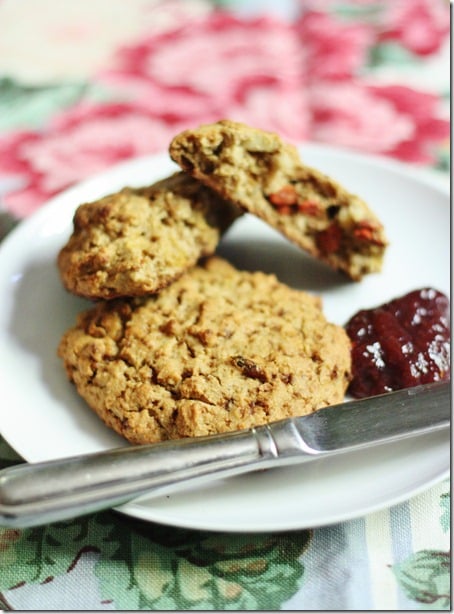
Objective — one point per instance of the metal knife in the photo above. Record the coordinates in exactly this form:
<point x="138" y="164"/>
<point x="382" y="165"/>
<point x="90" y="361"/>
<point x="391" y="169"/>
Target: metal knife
<point x="39" y="493"/>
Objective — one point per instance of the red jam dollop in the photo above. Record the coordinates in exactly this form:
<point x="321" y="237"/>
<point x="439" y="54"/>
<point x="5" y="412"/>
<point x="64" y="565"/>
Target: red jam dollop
<point x="400" y="344"/>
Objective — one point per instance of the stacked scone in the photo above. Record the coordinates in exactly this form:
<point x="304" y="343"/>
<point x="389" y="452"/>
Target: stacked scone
<point x="179" y="343"/>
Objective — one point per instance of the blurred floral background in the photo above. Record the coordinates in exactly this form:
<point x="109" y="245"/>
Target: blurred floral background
<point x="86" y="84"/>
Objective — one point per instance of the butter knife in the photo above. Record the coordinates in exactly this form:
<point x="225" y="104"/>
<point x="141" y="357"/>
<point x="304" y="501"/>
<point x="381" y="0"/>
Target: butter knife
<point x="39" y="493"/>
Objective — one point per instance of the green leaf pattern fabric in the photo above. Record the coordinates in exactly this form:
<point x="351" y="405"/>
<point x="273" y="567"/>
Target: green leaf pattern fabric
<point x="425" y="576"/>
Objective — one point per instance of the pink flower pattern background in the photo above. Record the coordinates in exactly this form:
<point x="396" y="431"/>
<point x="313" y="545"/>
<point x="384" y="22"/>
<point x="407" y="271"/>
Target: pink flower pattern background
<point x="313" y="78"/>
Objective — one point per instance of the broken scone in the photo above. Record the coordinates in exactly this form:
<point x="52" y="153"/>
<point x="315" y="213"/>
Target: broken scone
<point x="137" y="241"/>
<point x="218" y="350"/>
<point x="265" y="176"/>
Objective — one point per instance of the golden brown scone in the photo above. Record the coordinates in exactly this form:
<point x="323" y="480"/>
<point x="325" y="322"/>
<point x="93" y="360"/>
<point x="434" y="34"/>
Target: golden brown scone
<point x="218" y="350"/>
<point x="137" y="241"/>
<point x="258" y="171"/>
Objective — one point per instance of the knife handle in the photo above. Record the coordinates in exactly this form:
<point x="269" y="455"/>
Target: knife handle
<point x="39" y="493"/>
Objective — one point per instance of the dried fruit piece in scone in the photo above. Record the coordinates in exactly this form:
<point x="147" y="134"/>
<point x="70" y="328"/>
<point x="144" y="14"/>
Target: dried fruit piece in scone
<point x="258" y="171"/>
<point x="137" y="241"/>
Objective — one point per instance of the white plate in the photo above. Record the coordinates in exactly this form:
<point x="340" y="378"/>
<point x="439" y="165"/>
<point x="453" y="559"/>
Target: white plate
<point x="43" y="418"/>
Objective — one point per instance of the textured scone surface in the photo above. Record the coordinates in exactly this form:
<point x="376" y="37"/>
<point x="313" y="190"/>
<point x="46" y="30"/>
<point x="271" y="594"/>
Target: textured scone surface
<point x="216" y="351"/>
<point x="137" y="241"/>
<point x="264" y="175"/>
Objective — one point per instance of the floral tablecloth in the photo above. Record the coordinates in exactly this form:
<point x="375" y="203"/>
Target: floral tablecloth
<point x="86" y="84"/>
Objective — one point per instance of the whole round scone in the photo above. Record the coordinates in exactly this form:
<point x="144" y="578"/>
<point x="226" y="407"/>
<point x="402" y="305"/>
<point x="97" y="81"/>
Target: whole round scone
<point x="137" y="241"/>
<point x="218" y="350"/>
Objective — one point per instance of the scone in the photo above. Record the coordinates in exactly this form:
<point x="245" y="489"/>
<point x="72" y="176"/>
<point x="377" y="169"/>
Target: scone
<point x="137" y="241"/>
<point x="218" y="350"/>
<point x="266" y="177"/>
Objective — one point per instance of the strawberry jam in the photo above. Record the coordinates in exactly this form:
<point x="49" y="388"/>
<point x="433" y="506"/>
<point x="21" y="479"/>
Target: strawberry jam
<point x="400" y="344"/>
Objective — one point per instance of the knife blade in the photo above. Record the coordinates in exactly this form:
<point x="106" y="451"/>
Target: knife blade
<point x="39" y="493"/>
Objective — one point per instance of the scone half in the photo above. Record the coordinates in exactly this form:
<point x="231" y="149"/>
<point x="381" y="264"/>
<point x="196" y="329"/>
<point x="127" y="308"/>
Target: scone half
<point x="256" y="170"/>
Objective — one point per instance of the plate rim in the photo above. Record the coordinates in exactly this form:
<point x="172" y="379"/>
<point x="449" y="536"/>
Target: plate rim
<point x="133" y="509"/>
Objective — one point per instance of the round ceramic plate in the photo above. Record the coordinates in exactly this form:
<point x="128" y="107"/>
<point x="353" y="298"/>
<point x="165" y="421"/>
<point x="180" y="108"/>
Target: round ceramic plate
<point x="43" y="418"/>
